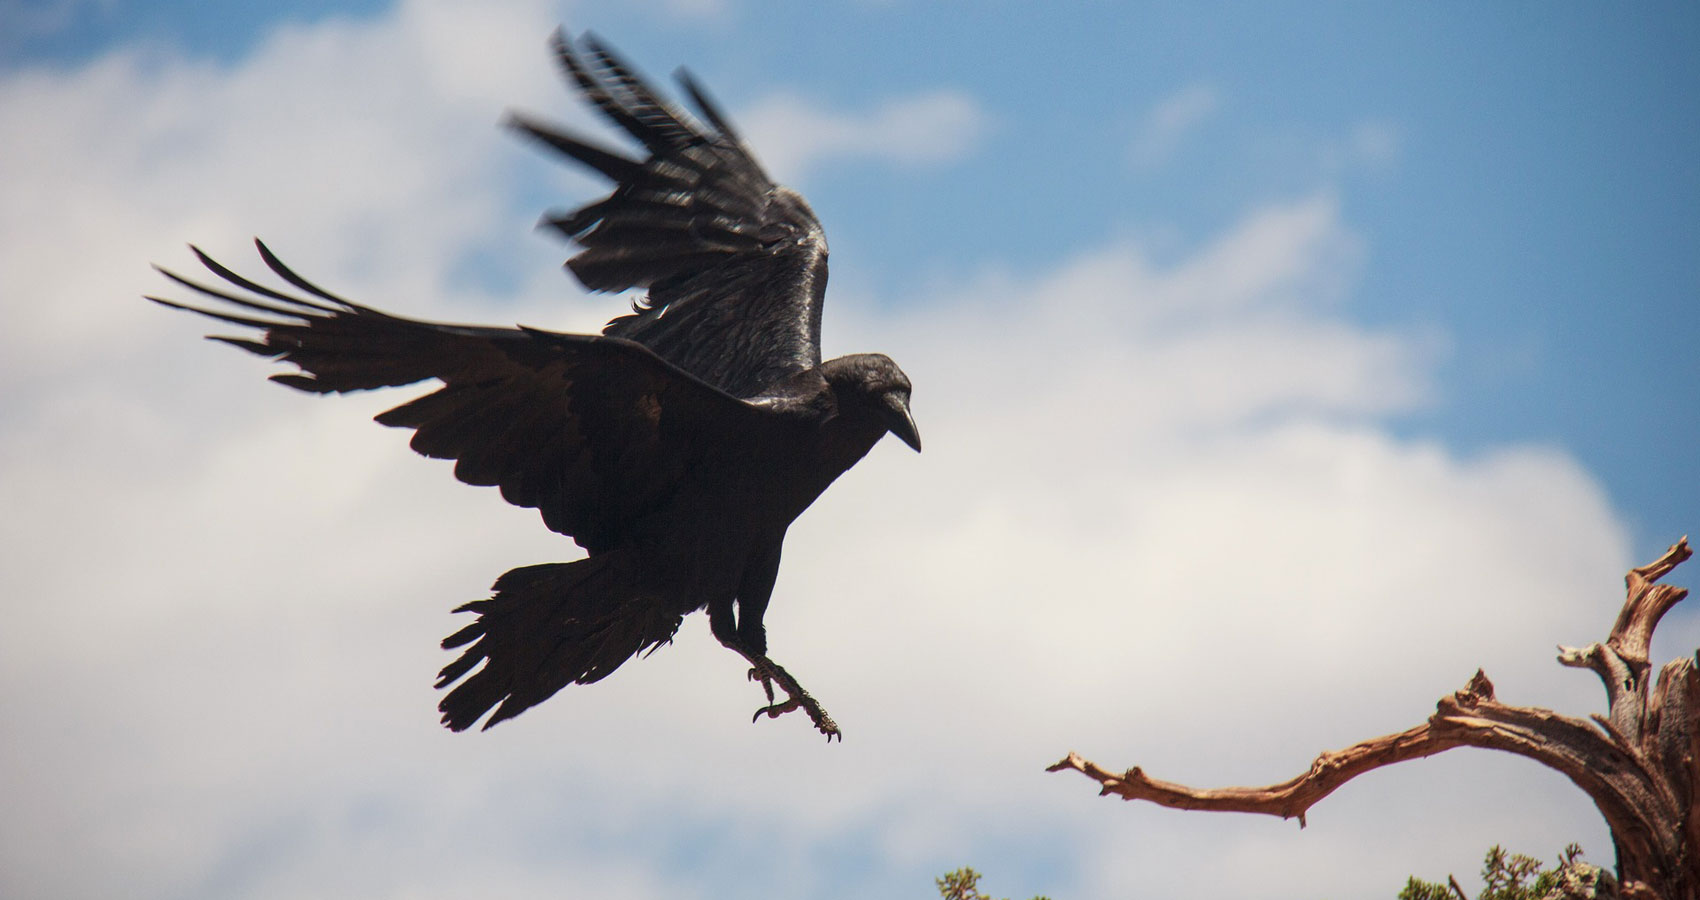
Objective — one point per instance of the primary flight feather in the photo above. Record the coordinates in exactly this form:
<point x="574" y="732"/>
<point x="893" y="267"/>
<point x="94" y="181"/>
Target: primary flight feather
<point x="676" y="447"/>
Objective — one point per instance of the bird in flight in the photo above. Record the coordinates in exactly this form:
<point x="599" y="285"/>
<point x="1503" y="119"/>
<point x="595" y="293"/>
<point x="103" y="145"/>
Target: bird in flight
<point x="675" y="447"/>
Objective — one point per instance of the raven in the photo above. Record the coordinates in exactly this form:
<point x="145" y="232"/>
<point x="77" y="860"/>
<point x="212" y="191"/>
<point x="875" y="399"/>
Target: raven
<point x="676" y="447"/>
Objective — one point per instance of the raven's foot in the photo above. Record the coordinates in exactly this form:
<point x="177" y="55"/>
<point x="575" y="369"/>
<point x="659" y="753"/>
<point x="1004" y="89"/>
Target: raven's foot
<point x="770" y="673"/>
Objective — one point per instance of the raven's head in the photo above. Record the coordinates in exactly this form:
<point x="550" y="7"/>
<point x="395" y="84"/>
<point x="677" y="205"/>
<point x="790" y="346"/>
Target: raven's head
<point x="878" y="384"/>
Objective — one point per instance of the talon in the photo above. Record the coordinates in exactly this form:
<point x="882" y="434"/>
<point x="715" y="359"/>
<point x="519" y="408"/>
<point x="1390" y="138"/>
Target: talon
<point x="776" y="710"/>
<point x="768" y="672"/>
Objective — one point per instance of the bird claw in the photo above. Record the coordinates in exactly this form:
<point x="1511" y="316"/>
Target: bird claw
<point x="768" y="673"/>
<point x="775" y="710"/>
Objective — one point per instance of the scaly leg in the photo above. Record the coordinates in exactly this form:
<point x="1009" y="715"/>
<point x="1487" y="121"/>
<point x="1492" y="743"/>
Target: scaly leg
<point x="745" y="635"/>
<point x="770" y="673"/>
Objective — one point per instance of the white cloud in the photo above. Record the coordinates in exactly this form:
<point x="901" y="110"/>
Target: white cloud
<point x="33" y="18"/>
<point x="1369" y="146"/>
<point x="1160" y="519"/>
<point x="1169" y="123"/>
<point x="792" y="135"/>
<point x="1374" y="144"/>
<point x="136" y="153"/>
<point x="1365" y="147"/>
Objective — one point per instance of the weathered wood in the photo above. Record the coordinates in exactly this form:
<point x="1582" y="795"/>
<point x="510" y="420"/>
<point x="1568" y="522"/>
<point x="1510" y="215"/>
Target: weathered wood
<point x="1640" y="763"/>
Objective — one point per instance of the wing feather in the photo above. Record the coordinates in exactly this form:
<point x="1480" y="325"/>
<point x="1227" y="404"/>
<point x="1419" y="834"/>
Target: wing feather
<point x="595" y="432"/>
<point x="734" y="265"/>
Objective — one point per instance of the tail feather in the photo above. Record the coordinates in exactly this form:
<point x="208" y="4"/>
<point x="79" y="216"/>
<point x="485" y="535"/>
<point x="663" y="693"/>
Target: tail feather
<point x="543" y="628"/>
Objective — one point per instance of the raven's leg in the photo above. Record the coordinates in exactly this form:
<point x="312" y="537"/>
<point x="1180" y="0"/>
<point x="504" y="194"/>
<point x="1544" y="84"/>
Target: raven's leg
<point x="771" y="673"/>
<point x="751" y="636"/>
<point x="749" y="639"/>
<point x="755" y="589"/>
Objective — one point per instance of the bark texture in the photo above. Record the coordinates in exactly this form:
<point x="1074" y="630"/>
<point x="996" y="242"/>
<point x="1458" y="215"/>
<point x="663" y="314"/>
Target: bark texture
<point x="1640" y="763"/>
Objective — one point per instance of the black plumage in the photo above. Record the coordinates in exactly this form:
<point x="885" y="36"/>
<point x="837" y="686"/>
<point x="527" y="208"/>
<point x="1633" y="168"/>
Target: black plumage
<point x="676" y="447"/>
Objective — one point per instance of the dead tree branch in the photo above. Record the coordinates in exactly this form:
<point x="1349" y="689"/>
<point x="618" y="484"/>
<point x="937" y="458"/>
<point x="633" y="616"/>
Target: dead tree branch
<point x="1640" y="763"/>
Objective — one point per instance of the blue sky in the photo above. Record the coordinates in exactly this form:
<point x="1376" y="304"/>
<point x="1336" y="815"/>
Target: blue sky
<point x="1393" y="303"/>
<point x="1540" y="206"/>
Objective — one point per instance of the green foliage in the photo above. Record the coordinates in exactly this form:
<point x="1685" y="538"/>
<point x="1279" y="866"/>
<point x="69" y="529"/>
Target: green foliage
<point x="1505" y="876"/>
<point x="1418" y="889"/>
<point x="963" y="884"/>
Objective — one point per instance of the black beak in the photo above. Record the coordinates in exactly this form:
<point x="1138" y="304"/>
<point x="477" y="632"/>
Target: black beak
<point x="899" y="421"/>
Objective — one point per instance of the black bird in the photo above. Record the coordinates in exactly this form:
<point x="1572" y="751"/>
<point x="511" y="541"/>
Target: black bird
<point x="676" y="447"/>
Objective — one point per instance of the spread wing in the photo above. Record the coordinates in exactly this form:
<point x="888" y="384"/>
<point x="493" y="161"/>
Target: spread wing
<point x="735" y="265"/>
<point x="594" y="432"/>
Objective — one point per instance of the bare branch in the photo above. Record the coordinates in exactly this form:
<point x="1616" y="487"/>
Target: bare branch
<point x="1647" y="603"/>
<point x="1640" y="764"/>
<point x="1675" y="555"/>
<point x="1290" y="799"/>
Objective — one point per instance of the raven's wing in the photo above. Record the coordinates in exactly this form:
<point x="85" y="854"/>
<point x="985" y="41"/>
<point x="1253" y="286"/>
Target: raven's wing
<point x="594" y="432"/>
<point x="734" y="264"/>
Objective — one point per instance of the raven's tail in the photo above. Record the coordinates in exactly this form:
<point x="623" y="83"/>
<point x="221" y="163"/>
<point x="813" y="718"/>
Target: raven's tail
<point x="546" y="627"/>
